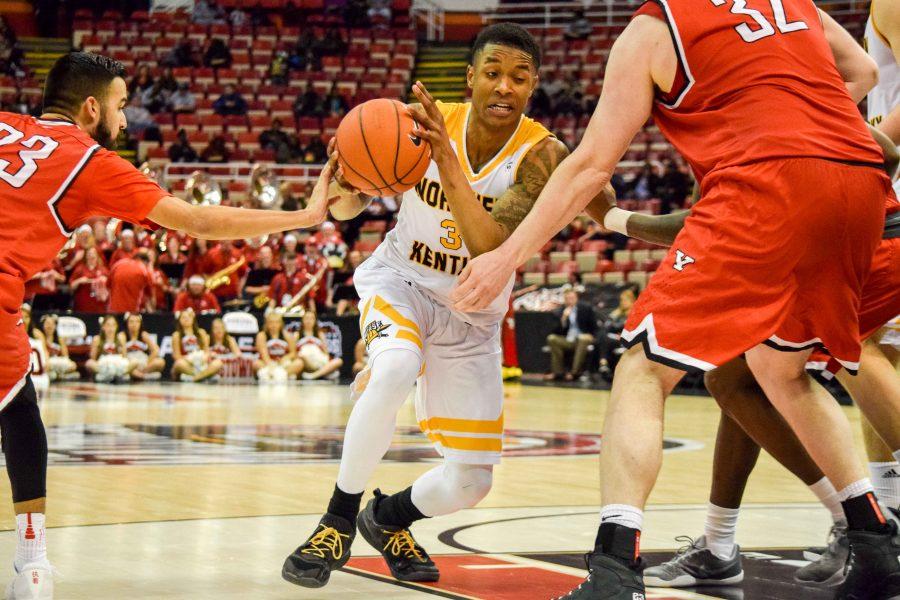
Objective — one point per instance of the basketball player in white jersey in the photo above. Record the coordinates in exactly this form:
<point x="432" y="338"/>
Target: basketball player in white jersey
<point x="489" y="163"/>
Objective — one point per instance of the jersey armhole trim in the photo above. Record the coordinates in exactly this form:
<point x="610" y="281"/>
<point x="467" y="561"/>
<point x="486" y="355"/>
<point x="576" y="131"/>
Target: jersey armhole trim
<point x="665" y="100"/>
<point x="61" y="192"/>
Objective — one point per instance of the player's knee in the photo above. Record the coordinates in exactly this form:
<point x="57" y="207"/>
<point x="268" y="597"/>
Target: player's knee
<point x="470" y="483"/>
<point x="394" y="371"/>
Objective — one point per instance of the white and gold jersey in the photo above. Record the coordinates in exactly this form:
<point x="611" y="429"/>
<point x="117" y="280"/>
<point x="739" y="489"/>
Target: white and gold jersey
<point x="885" y="96"/>
<point x="426" y="245"/>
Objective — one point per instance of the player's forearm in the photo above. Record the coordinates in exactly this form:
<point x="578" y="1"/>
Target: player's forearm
<point x="225" y="222"/>
<point x="888" y="146"/>
<point x="656" y="229"/>
<point x="479" y="230"/>
<point x="890" y="126"/>
<point x="571" y="186"/>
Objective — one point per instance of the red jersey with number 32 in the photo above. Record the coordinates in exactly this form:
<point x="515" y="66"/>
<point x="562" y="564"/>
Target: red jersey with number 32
<point x="756" y="81"/>
<point x="53" y="178"/>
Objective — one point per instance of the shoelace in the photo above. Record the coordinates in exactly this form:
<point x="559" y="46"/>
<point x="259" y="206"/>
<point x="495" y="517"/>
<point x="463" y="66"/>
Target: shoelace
<point x="402" y="542"/>
<point x="689" y="544"/>
<point x="329" y="539"/>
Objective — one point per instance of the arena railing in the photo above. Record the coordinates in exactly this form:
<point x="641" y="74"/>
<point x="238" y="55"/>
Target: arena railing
<point x="428" y="15"/>
<point x="239" y="171"/>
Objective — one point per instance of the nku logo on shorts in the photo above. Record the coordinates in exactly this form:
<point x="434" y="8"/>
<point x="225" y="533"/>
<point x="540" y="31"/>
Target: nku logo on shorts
<point x="375" y="330"/>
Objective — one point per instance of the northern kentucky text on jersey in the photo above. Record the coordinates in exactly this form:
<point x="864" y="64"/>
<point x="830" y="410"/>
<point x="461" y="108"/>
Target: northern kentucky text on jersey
<point x="432" y="194"/>
<point x="437" y="260"/>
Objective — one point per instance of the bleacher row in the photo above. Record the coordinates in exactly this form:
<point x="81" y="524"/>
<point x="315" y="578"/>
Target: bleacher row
<point x="589" y="265"/>
<point x="377" y="64"/>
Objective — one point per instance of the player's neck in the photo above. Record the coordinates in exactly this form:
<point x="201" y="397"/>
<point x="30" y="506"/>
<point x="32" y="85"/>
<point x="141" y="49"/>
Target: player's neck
<point x="484" y="142"/>
<point x="53" y="116"/>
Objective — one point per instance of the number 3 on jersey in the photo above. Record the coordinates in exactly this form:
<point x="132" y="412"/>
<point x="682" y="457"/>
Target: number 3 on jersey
<point x="453" y="241"/>
<point x="28" y="157"/>
<point x="739" y="7"/>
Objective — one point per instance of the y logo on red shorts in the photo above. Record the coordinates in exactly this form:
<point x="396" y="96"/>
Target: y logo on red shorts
<point x="682" y="260"/>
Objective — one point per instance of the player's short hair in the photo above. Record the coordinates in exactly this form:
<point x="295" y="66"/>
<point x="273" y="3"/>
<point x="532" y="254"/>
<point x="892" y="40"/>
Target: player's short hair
<point x="508" y="34"/>
<point x="76" y="76"/>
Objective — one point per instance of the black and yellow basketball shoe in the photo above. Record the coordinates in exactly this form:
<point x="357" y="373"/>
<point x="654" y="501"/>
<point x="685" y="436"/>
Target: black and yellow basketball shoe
<point x="327" y="549"/>
<point x="406" y="559"/>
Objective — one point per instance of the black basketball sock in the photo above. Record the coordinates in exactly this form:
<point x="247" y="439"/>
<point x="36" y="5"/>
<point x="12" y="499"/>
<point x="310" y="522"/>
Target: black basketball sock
<point x="397" y="510"/>
<point x="344" y="505"/>
<point x="864" y="514"/>
<point x="619" y="541"/>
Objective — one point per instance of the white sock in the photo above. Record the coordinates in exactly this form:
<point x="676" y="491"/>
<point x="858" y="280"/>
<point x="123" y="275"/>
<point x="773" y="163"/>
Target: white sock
<point x="31" y="546"/>
<point x="828" y="496"/>
<point x="623" y="514"/>
<point x="721" y="524"/>
<point x="855" y="489"/>
<point x="886" y="481"/>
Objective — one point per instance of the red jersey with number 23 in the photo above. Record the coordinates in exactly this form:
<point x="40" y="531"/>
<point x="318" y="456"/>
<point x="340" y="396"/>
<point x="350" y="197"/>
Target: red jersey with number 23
<point x="53" y="178"/>
<point x="756" y="81"/>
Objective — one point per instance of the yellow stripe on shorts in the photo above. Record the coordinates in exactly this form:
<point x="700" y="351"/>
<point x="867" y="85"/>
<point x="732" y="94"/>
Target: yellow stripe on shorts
<point x="393" y="314"/>
<point x="469" y="444"/>
<point x="462" y="425"/>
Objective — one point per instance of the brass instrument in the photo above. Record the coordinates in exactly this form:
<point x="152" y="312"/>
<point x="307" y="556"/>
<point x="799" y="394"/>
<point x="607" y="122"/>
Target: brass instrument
<point x="154" y="174"/>
<point x="220" y="278"/>
<point x="264" y="189"/>
<point x="203" y="189"/>
<point x="292" y="307"/>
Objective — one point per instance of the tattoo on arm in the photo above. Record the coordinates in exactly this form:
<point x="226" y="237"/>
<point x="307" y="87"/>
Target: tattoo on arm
<point x="513" y="205"/>
<point x="656" y="229"/>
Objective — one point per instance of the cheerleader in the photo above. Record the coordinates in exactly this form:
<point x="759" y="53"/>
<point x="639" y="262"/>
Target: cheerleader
<point x="225" y="348"/>
<point x="140" y="349"/>
<point x="277" y="351"/>
<point x="313" y="351"/>
<point x="59" y="365"/>
<point x="190" y="349"/>
<point x="108" y="362"/>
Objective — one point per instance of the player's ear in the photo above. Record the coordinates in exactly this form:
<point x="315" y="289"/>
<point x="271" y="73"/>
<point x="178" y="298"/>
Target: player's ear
<point x="470" y="76"/>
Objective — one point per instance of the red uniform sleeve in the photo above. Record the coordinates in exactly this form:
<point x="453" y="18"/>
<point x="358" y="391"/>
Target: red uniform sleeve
<point x="181" y="302"/>
<point x="109" y="186"/>
<point x="214" y="302"/>
<point x="651" y="8"/>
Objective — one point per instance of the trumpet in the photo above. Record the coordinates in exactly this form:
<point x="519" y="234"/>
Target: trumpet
<point x="293" y="307"/>
<point x="220" y="278"/>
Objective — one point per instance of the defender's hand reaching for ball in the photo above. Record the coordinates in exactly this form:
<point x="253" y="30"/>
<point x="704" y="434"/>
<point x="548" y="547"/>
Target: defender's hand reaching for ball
<point x="322" y="196"/>
<point x="432" y="128"/>
<point x="482" y="280"/>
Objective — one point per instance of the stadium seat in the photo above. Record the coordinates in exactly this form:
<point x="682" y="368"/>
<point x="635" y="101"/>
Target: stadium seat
<point x="591" y="278"/>
<point x="614" y="277"/>
<point x="534" y="279"/>
<point x="586" y="260"/>
<point x="559" y="278"/>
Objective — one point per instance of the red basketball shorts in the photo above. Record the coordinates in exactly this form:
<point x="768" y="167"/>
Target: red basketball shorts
<point x="776" y="252"/>
<point x="880" y="302"/>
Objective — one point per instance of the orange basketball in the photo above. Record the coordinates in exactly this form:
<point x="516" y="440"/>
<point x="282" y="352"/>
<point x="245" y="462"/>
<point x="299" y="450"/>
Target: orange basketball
<point x="379" y="149"/>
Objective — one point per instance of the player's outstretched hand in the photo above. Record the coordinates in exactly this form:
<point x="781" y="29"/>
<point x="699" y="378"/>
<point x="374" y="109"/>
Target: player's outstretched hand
<point x="339" y="185"/>
<point x="322" y="196"/>
<point x="482" y="280"/>
<point x="432" y="128"/>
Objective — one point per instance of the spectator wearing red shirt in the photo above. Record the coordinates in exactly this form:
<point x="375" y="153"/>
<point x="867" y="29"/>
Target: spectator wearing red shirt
<point x="127" y="248"/>
<point x="314" y="263"/>
<point x="130" y="284"/>
<point x="251" y="249"/>
<point x="159" y="281"/>
<point x="221" y="257"/>
<point x="287" y="283"/>
<point x="173" y="254"/>
<point x="83" y="241"/>
<point x="197" y="259"/>
<point x="196" y="297"/>
<point x="88" y="284"/>
<point x="102" y="242"/>
<point x="45" y="282"/>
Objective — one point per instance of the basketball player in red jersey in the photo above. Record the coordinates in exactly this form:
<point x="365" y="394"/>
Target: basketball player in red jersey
<point x="56" y="172"/>
<point x="770" y="262"/>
